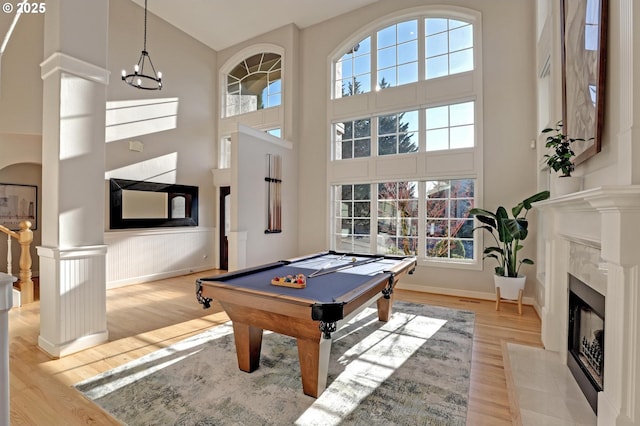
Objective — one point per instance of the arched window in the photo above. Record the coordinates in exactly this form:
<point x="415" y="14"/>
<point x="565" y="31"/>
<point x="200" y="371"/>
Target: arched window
<point x="253" y="84"/>
<point x="444" y="44"/>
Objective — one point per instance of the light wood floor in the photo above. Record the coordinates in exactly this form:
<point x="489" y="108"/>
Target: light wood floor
<point x="147" y="317"/>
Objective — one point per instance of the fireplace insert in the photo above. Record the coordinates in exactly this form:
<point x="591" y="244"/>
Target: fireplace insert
<point x="586" y="338"/>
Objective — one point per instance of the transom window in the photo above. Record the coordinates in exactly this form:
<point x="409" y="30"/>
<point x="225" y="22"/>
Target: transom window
<point x="450" y="126"/>
<point x="254" y="84"/>
<point x="398" y="133"/>
<point x="353" y="139"/>
<point x="447" y="127"/>
<point x="445" y="46"/>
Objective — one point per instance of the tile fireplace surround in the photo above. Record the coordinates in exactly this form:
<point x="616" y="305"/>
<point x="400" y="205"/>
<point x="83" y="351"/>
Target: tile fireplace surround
<point x="595" y="235"/>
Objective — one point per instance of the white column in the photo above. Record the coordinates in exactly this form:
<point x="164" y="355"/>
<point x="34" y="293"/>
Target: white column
<point x="6" y="302"/>
<point x="618" y="403"/>
<point x="72" y="255"/>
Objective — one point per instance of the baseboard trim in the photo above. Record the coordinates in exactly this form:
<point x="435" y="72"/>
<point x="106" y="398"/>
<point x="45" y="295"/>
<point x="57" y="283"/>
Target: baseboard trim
<point x="76" y="345"/>
<point x="159" y="276"/>
<point x="17" y="298"/>
<point x="456" y="292"/>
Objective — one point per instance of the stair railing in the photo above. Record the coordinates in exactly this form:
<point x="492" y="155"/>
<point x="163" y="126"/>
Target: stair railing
<point x="24" y="236"/>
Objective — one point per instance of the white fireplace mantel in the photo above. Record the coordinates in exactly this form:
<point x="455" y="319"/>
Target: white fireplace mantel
<point x="607" y="220"/>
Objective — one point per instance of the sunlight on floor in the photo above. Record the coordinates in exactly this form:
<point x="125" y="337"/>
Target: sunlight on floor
<point x="366" y="368"/>
<point x="136" y="370"/>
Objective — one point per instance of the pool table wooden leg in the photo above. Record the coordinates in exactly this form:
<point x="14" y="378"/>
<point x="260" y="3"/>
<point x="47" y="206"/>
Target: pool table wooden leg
<point x="384" y="308"/>
<point x="314" y="364"/>
<point x="248" y="344"/>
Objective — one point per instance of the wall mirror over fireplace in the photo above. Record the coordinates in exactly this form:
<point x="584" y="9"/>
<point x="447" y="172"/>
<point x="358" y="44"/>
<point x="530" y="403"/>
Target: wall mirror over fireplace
<point x="142" y="204"/>
<point x="584" y="57"/>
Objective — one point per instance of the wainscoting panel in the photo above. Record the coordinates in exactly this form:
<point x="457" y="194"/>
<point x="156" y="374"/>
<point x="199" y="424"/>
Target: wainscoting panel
<point x="136" y="256"/>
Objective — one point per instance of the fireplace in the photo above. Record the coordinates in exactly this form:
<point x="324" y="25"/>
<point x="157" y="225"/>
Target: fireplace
<point x="586" y="338"/>
<point x="593" y="235"/>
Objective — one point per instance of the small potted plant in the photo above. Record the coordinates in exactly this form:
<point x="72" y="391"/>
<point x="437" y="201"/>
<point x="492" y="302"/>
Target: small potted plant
<point x="561" y="159"/>
<point x="508" y="232"/>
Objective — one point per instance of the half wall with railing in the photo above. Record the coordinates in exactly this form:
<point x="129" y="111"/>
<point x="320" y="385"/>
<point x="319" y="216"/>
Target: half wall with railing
<point x="24" y="236"/>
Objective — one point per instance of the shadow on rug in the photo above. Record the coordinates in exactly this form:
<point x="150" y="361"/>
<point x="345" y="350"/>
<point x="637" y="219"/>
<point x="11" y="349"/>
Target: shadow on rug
<point x="412" y="370"/>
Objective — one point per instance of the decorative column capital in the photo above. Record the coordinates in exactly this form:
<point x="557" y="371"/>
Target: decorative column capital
<point x="61" y="62"/>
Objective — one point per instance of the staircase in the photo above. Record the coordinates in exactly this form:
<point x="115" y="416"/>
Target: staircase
<point x="24" y="291"/>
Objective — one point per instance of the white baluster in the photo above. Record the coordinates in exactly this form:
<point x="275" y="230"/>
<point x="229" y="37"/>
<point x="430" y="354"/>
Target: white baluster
<point x="9" y="259"/>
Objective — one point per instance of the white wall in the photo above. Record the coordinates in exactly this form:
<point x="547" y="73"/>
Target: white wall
<point x="136" y="256"/>
<point x="188" y="72"/>
<point x="177" y="130"/>
<point x="249" y="198"/>
<point x="184" y="150"/>
<point x="21" y="85"/>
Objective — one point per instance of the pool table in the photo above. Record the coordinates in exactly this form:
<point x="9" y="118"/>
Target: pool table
<point x="338" y="286"/>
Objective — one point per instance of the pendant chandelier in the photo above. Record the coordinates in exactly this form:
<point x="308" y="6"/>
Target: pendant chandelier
<point x="138" y="79"/>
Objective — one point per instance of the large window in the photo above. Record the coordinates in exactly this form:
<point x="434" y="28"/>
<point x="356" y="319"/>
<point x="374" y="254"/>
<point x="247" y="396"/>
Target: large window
<point x="406" y="155"/>
<point x="255" y="83"/>
<point x="398" y="217"/>
<point x="445" y="46"/>
<point x="386" y="217"/>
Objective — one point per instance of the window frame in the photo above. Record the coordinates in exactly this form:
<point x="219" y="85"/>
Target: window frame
<point x="264" y="75"/>
<point x="420" y="14"/>
<point x="459" y="163"/>
<point x="474" y="263"/>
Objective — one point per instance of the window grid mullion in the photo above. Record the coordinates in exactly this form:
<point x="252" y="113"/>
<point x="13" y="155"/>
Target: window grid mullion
<point x="374" y="61"/>
<point x="422" y="49"/>
<point x="373" y="232"/>
<point x="422" y="222"/>
<point x="375" y="136"/>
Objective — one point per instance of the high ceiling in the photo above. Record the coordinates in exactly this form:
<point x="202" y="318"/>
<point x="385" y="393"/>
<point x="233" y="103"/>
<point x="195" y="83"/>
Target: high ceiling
<point x="223" y="23"/>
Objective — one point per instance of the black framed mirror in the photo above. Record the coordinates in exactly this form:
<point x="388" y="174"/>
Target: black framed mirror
<point x="142" y="204"/>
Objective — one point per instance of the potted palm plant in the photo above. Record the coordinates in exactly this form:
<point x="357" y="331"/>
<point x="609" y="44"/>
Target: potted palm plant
<point x="508" y="233"/>
<point x="560" y="159"/>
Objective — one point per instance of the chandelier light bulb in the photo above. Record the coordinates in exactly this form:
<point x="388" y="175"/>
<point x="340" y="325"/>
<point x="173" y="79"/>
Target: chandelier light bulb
<point x="136" y="68"/>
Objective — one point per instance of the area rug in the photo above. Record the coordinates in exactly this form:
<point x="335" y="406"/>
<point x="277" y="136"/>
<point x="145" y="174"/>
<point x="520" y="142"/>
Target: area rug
<point x="411" y="370"/>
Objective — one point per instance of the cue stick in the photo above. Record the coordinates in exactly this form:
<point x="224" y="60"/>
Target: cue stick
<point x="340" y="268"/>
<point x="269" y="225"/>
<point x="325" y="266"/>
